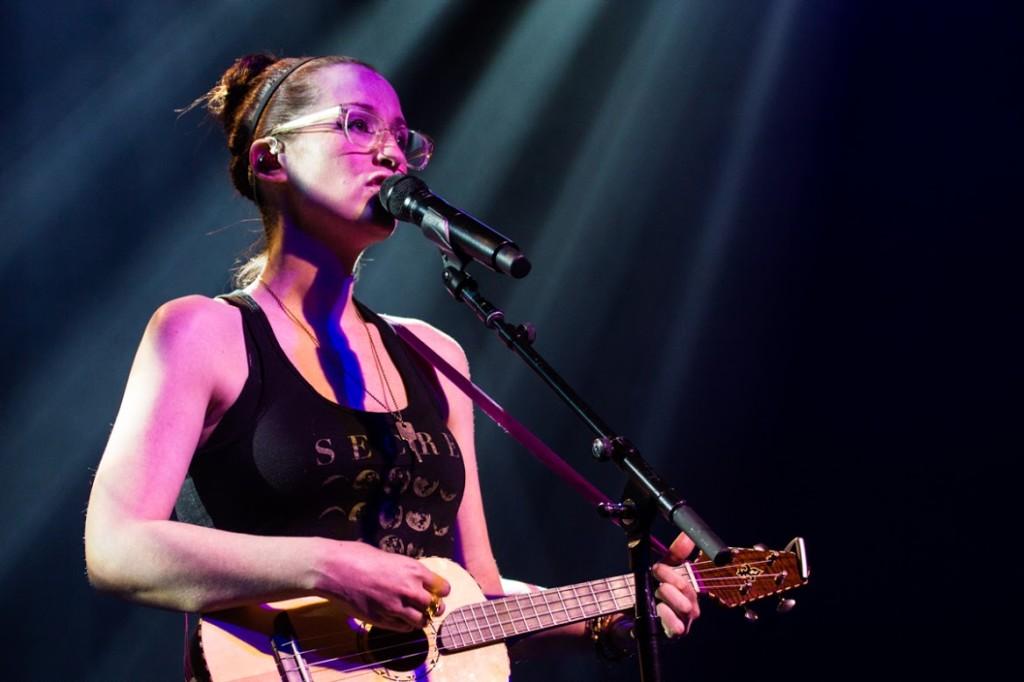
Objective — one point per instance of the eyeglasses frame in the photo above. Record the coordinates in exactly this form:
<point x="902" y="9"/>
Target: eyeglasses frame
<point x="333" y="114"/>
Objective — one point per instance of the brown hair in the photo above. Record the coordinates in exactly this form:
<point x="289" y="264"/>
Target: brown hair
<point x="234" y="101"/>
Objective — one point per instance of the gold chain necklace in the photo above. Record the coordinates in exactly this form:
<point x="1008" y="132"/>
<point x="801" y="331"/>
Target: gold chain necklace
<point x="286" y="311"/>
<point x="405" y="429"/>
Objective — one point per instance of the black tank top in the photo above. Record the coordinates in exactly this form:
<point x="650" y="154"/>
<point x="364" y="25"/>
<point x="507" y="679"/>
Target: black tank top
<point x="284" y="460"/>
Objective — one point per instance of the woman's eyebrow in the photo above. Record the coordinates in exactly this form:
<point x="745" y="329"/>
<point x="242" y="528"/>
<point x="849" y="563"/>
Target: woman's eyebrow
<point x="373" y="109"/>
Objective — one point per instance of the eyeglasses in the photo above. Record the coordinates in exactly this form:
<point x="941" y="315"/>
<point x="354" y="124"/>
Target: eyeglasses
<point x="365" y="130"/>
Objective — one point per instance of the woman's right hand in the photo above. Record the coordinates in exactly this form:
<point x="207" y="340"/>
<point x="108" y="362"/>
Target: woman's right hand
<point x="388" y="590"/>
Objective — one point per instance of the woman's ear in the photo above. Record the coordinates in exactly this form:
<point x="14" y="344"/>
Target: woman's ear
<point x="264" y="159"/>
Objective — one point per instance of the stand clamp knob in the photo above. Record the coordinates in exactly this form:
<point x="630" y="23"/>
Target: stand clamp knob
<point x="623" y="511"/>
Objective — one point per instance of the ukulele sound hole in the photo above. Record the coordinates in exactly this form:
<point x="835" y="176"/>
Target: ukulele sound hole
<point x="401" y="651"/>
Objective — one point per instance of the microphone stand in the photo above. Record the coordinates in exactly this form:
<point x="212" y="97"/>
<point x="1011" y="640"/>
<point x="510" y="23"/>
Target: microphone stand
<point x="645" y="493"/>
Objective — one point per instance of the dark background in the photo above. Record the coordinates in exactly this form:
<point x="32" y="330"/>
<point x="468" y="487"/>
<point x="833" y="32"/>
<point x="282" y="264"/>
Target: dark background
<point x="767" y="246"/>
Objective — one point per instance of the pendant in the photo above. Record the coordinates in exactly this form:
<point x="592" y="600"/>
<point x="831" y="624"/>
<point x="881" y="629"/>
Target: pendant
<point x="405" y="430"/>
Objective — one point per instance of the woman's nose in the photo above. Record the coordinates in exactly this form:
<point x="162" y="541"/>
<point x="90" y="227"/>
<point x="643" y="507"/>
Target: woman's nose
<point x="389" y="154"/>
<point x="386" y="159"/>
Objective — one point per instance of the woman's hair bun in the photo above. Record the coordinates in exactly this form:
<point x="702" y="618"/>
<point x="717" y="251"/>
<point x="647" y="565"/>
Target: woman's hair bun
<point x="234" y="87"/>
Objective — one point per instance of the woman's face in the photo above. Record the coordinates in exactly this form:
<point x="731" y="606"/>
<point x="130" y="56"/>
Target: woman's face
<point x="335" y="179"/>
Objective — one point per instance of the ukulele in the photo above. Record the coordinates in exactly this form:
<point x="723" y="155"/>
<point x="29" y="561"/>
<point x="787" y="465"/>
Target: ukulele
<point x="312" y="639"/>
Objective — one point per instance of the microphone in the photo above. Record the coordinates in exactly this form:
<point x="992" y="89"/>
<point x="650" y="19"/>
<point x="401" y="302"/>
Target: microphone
<point x="457" y="233"/>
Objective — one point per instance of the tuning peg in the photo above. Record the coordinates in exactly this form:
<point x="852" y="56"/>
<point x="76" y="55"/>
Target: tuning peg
<point x="785" y="605"/>
<point x="750" y="614"/>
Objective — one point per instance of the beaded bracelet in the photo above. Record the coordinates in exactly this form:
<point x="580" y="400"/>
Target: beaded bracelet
<point x="602" y="632"/>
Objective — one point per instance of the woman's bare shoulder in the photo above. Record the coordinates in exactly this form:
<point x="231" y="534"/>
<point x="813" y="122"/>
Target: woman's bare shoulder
<point x="194" y="323"/>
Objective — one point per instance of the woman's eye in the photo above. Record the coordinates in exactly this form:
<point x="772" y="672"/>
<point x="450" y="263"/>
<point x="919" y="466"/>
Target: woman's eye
<point x="361" y="124"/>
<point x="402" y="138"/>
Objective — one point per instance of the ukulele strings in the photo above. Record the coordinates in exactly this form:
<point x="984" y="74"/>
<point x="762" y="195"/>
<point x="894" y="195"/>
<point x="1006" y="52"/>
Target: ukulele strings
<point x="479" y="623"/>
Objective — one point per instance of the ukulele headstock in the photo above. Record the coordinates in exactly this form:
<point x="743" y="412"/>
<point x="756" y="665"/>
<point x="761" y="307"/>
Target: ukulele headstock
<point x="753" y="573"/>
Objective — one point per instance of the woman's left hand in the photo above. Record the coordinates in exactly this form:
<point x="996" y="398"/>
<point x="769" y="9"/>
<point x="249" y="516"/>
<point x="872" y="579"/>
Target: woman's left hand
<point x="677" y="599"/>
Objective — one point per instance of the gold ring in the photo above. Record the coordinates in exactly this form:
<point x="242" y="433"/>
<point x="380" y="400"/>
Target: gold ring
<point x="434" y="607"/>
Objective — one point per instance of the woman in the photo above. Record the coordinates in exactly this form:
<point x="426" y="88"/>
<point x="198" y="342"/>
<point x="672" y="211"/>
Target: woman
<point x="303" y="448"/>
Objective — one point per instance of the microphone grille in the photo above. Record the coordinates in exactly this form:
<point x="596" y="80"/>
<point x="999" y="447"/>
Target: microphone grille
<point x="395" y="190"/>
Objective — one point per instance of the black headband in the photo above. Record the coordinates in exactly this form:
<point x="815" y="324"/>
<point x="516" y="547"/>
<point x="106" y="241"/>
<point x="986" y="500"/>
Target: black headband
<point x="265" y="100"/>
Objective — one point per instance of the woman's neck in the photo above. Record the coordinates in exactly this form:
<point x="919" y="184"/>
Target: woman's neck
<point x="313" y="281"/>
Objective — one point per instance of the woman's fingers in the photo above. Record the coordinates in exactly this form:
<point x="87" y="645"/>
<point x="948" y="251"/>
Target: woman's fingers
<point x="678" y="606"/>
<point x="436" y="584"/>
<point x="671" y="624"/>
<point x="680" y="548"/>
